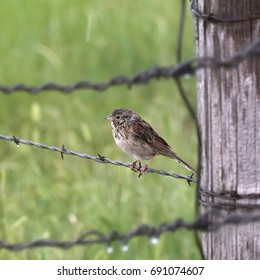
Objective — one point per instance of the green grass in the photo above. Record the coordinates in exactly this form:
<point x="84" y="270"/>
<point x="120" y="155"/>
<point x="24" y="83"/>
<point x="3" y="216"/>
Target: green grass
<point x="42" y="196"/>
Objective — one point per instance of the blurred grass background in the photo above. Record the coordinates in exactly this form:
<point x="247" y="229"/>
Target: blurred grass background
<point x="42" y="196"/>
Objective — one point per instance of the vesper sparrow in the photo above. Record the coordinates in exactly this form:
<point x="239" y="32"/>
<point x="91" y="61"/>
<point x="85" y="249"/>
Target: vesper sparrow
<point x="137" y="138"/>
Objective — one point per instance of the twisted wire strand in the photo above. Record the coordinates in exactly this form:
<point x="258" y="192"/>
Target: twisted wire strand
<point x="143" y="77"/>
<point x="203" y="222"/>
<point x="209" y="17"/>
<point x="99" y="158"/>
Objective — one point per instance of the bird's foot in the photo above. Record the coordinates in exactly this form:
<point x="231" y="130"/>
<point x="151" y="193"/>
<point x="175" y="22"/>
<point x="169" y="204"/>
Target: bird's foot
<point x="142" y="170"/>
<point x="133" y="165"/>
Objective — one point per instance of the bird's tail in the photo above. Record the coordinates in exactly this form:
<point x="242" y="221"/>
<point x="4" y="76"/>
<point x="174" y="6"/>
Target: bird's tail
<point x="182" y="162"/>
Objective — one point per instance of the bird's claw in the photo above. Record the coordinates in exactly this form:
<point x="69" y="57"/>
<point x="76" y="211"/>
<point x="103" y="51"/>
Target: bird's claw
<point x="142" y="170"/>
<point x="133" y="166"/>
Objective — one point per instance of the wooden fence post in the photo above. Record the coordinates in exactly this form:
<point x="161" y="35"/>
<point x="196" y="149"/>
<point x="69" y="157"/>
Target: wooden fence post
<point x="229" y="119"/>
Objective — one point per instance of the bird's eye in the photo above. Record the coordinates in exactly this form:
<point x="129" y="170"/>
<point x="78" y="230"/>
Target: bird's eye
<point x="117" y="117"/>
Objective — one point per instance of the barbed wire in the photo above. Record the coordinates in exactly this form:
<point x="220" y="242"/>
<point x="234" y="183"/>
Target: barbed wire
<point x="203" y="222"/>
<point x="158" y="72"/>
<point x="142" y="77"/>
<point x="99" y="158"/>
<point x="209" y="17"/>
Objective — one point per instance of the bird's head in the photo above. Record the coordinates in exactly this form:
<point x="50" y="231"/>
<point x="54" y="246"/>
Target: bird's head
<point x="120" y="116"/>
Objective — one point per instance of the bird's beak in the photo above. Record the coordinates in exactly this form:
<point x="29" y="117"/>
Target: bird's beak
<point x="109" y="118"/>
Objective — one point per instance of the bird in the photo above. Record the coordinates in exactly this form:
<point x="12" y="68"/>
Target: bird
<point x="136" y="137"/>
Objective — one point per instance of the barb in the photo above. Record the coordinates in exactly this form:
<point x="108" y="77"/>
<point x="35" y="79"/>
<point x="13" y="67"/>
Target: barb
<point x="99" y="159"/>
<point x="203" y="222"/>
<point x="183" y="68"/>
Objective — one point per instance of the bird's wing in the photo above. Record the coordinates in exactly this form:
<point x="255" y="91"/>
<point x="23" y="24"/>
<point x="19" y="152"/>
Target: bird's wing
<point x="144" y="132"/>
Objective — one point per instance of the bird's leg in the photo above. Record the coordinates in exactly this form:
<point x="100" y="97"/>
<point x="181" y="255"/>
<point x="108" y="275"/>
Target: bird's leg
<point x="133" y="164"/>
<point x="144" y="168"/>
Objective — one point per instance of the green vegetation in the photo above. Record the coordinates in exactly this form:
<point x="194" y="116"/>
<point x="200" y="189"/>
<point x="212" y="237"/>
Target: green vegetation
<point x="42" y="196"/>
